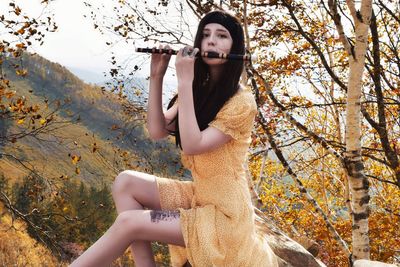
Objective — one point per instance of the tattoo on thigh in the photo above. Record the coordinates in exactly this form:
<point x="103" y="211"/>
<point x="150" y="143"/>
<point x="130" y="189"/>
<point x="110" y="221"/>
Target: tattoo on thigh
<point x="163" y="215"/>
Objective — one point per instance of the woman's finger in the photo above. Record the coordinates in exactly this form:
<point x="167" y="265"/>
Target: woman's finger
<point x="180" y="53"/>
<point x="194" y="52"/>
<point x="188" y="51"/>
<point x="185" y="51"/>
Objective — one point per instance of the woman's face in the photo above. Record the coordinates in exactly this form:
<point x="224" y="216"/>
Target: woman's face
<point x="216" y="38"/>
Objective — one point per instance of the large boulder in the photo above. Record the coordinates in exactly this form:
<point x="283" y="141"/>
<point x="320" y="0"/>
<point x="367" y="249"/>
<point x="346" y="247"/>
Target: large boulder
<point x="367" y="263"/>
<point x="289" y="252"/>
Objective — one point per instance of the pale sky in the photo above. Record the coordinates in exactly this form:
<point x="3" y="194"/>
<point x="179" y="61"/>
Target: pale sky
<point x="76" y="44"/>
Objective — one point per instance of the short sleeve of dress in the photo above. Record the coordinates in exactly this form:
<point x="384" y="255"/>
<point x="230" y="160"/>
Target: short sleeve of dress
<point x="237" y="115"/>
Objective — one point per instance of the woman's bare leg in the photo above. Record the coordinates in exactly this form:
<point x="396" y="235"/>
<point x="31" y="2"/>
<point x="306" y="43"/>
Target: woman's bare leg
<point x="135" y="191"/>
<point x="130" y="226"/>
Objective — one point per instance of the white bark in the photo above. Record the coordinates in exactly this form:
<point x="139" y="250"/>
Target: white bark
<point x="357" y="180"/>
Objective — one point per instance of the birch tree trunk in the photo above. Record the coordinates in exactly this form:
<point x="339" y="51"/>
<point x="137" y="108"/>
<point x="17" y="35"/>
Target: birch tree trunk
<point x="355" y="168"/>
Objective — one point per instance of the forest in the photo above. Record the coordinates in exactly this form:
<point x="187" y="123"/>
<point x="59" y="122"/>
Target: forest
<point x="324" y="157"/>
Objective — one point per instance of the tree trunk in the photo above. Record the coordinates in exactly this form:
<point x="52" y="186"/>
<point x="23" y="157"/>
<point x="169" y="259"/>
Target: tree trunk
<point x="355" y="168"/>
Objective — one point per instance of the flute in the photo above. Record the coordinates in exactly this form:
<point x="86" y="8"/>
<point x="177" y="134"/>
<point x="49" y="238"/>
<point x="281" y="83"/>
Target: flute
<point x="201" y="54"/>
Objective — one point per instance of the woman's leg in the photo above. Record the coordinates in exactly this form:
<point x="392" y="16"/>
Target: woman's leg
<point x="134" y="190"/>
<point x="132" y="226"/>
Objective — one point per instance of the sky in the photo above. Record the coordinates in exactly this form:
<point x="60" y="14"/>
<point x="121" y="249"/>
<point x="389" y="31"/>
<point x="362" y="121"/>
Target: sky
<point x="76" y="44"/>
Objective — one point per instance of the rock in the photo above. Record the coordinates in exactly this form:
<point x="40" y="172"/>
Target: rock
<point x="367" y="263"/>
<point x="310" y="245"/>
<point x="289" y="252"/>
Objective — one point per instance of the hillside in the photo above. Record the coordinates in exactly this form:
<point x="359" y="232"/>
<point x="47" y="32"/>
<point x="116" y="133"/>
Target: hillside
<point x="106" y="132"/>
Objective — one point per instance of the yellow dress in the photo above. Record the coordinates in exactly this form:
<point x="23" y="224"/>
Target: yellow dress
<point x="217" y="216"/>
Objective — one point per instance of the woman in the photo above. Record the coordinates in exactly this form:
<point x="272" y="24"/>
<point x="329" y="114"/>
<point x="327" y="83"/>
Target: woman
<point x="210" y="221"/>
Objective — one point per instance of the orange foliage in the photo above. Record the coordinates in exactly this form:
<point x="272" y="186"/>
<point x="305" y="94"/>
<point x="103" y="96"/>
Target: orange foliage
<point x="17" y="248"/>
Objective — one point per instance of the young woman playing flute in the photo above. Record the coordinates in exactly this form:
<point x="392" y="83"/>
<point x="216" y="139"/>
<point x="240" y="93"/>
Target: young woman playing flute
<point x="209" y="221"/>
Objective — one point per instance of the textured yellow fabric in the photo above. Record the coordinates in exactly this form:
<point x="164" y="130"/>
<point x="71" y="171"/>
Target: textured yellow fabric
<point x="217" y="216"/>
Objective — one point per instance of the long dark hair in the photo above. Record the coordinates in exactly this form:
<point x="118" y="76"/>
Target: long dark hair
<point x="208" y="99"/>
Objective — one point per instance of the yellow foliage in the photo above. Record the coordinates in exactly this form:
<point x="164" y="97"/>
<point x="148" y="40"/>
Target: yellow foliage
<point x="325" y="182"/>
<point x="17" y="248"/>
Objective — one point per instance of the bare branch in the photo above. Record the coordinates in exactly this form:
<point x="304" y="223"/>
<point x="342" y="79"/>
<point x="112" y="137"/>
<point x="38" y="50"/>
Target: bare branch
<point x="339" y="26"/>
<point x="352" y="7"/>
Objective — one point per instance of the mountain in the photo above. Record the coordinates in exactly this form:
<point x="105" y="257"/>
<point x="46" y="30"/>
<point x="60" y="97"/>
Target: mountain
<point x="105" y="132"/>
<point x="137" y="84"/>
<point x="88" y="76"/>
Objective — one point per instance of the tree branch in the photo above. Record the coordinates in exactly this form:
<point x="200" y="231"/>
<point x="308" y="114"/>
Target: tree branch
<point x="339" y="26"/>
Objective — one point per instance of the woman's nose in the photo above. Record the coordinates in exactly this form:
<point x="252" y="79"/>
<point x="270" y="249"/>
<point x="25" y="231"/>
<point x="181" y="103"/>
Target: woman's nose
<point x="211" y="40"/>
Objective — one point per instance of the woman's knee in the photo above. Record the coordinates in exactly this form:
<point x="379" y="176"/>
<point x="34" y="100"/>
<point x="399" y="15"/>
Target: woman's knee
<point x="141" y="187"/>
<point x="125" y="180"/>
<point x="130" y="222"/>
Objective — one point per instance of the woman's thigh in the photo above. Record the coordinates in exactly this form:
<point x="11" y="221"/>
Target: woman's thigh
<point x="139" y="185"/>
<point x="153" y="225"/>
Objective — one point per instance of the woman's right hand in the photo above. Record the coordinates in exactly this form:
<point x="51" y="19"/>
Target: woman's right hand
<point x="159" y="63"/>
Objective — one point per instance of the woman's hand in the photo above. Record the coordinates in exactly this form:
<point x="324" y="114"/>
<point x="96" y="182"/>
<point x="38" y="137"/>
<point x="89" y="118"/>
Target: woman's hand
<point x="159" y="63"/>
<point x="184" y="65"/>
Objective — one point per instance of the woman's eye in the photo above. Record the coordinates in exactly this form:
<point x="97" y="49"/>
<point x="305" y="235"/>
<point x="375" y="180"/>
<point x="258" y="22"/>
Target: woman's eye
<point x="222" y="36"/>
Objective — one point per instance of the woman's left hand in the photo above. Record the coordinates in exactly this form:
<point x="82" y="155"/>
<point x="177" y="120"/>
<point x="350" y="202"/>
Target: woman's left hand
<point x="184" y="65"/>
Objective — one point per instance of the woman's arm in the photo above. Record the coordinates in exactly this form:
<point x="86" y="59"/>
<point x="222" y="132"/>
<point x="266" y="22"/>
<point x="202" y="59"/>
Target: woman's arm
<point x="193" y="140"/>
<point x="155" y="116"/>
<point x="157" y="121"/>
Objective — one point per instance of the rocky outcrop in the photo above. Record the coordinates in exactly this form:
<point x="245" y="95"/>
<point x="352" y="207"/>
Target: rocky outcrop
<point x="367" y="263"/>
<point x="289" y="252"/>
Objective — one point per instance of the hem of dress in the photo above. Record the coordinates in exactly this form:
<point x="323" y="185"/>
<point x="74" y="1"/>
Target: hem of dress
<point x="182" y="220"/>
<point x="159" y="192"/>
<point x="184" y="231"/>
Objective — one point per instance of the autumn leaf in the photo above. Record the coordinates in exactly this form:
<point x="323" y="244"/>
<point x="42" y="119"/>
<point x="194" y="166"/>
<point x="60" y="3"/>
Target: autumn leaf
<point x="21" y="31"/>
<point x="114" y="127"/>
<point x="10" y="94"/>
<point x="21" y="72"/>
<point x="21" y="45"/>
<point x="75" y="159"/>
<point x="94" y="147"/>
